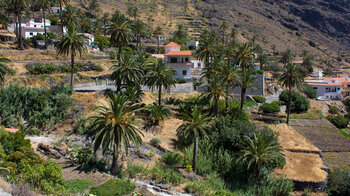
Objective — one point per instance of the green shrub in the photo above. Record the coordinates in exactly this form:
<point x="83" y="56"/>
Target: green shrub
<point x="87" y="159"/>
<point x="133" y="170"/>
<point x="273" y="107"/>
<point x="333" y="110"/>
<point x="172" y="158"/>
<point x="182" y="81"/>
<point x="209" y="186"/>
<point x="271" y="185"/>
<point x="155" y="142"/>
<point x="339" y="182"/>
<point x="309" y="91"/>
<point x="338" y="120"/>
<point x="78" y="185"/>
<point x="113" y="188"/>
<point x="259" y="99"/>
<point x="54" y="20"/>
<point x="162" y="174"/>
<point x="298" y="103"/>
<point x="39" y="36"/>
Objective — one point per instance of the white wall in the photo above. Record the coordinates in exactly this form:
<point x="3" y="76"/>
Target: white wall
<point x="27" y="34"/>
<point x="179" y="71"/>
<point x="197" y="64"/>
<point x="328" y="94"/>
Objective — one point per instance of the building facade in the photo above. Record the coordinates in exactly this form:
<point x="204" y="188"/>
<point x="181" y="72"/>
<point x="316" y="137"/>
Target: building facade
<point x="179" y="61"/>
<point x="331" y="88"/>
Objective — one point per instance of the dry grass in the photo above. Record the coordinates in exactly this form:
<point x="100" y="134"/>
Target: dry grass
<point x="290" y="139"/>
<point x="303" y="166"/>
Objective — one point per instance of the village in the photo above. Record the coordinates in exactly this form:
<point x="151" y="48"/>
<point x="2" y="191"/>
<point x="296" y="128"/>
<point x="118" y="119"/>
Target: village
<point x="105" y="104"/>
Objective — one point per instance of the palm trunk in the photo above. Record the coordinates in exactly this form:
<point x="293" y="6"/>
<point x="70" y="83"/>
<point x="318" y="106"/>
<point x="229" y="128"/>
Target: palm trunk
<point x="160" y="94"/>
<point x="158" y="44"/>
<point x="288" y="105"/>
<point x="243" y="90"/>
<point x="16" y="29"/>
<point x="72" y="71"/>
<point x="45" y="27"/>
<point x="119" y="52"/>
<point x="61" y="22"/>
<point x="194" y="163"/>
<point x="115" y="160"/>
<point x="33" y="10"/>
<point x="20" y="30"/>
<point x="119" y="85"/>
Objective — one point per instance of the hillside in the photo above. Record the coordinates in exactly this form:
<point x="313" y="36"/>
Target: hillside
<point x="320" y="26"/>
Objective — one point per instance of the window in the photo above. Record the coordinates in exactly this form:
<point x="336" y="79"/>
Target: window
<point x="338" y="89"/>
<point x="184" y="72"/>
<point x="315" y="88"/>
<point x="34" y="25"/>
<point x="173" y="60"/>
<point x="30" y="33"/>
<point x="186" y="60"/>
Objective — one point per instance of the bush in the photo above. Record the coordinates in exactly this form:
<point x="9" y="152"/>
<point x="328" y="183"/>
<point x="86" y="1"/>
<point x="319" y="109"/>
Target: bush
<point x="39" y="36"/>
<point x="40" y="108"/>
<point x="155" y="142"/>
<point x="309" y="91"/>
<point x="53" y="19"/>
<point x="182" y="81"/>
<point x="78" y="185"/>
<point x="172" y="158"/>
<point x="259" y="99"/>
<point x="212" y="185"/>
<point x="346" y="103"/>
<point x="333" y="110"/>
<point x="273" y="107"/>
<point x="339" y="182"/>
<point x="298" y="103"/>
<point x="339" y="121"/>
<point x="87" y="159"/>
<point x="113" y="188"/>
<point x="133" y="170"/>
<point x="162" y="174"/>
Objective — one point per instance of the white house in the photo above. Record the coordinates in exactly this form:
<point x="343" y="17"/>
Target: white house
<point x="91" y="39"/>
<point x="197" y="64"/>
<point x="178" y="60"/>
<point x="192" y="43"/>
<point x="38" y="23"/>
<point x="29" y="32"/>
<point x="329" y="88"/>
<point x="56" y="10"/>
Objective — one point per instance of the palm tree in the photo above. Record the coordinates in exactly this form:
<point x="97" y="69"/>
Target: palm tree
<point x="287" y="57"/>
<point x="207" y="47"/>
<point x="70" y="15"/>
<point x="133" y="11"/>
<point x="245" y="56"/>
<point x="158" y="32"/>
<point x="72" y="44"/>
<point x="105" y="19"/>
<point x="120" y="31"/>
<point x="180" y="36"/>
<point x="133" y="93"/>
<point x="115" y="125"/>
<point x="233" y="34"/>
<point x="44" y="4"/>
<point x="158" y="75"/>
<point x="258" y="151"/>
<point x="196" y="124"/>
<point x="291" y="78"/>
<point x="18" y="7"/>
<point x="246" y="81"/>
<point x="157" y="113"/>
<point x="94" y="6"/>
<point x="62" y="2"/>
<point x="216" y="90"/>
<point x="127" y="72"/>
<point x="139" y="29"/>
<point x="229" y="76"/>
<point x="262" y="59"/>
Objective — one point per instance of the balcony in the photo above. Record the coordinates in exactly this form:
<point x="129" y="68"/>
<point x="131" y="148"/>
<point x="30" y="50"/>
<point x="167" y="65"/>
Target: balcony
<point x="179" y="64"/>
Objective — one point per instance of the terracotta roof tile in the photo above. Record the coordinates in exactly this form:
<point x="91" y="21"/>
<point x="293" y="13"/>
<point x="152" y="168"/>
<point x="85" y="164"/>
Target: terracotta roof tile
<point x="12" y="130"/>
<point x="173" y="44"/>
<point x="179" y="53"/>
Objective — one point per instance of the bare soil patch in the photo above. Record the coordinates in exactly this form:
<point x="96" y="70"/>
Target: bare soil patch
<point x="322" y="134"/>
<point x="290" y="139"/>
<point x="337" y="159"/>
<point x="303" y="167"/>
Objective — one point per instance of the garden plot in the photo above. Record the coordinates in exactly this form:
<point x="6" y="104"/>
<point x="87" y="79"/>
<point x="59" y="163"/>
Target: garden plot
<point x="322" y="134"/>
<point x="337" y="159"/>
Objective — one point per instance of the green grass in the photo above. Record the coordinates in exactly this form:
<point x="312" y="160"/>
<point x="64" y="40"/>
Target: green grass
<point x="78" y="185"/>
<point x="312" y="114"/>
<point x="113" y="188"/>
<point x="345" y="132"/>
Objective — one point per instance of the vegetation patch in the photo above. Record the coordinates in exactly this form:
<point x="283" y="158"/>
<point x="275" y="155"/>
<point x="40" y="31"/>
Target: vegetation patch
<point x="78" y="185"/>
<point x="61" y="68"/>
<point x="113" y="188"/>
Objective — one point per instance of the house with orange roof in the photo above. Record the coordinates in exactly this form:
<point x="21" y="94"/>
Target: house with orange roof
<point x="179" y="61"/>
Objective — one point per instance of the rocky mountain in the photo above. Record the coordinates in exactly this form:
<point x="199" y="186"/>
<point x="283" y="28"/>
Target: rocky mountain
<point x="320" y="26"/>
